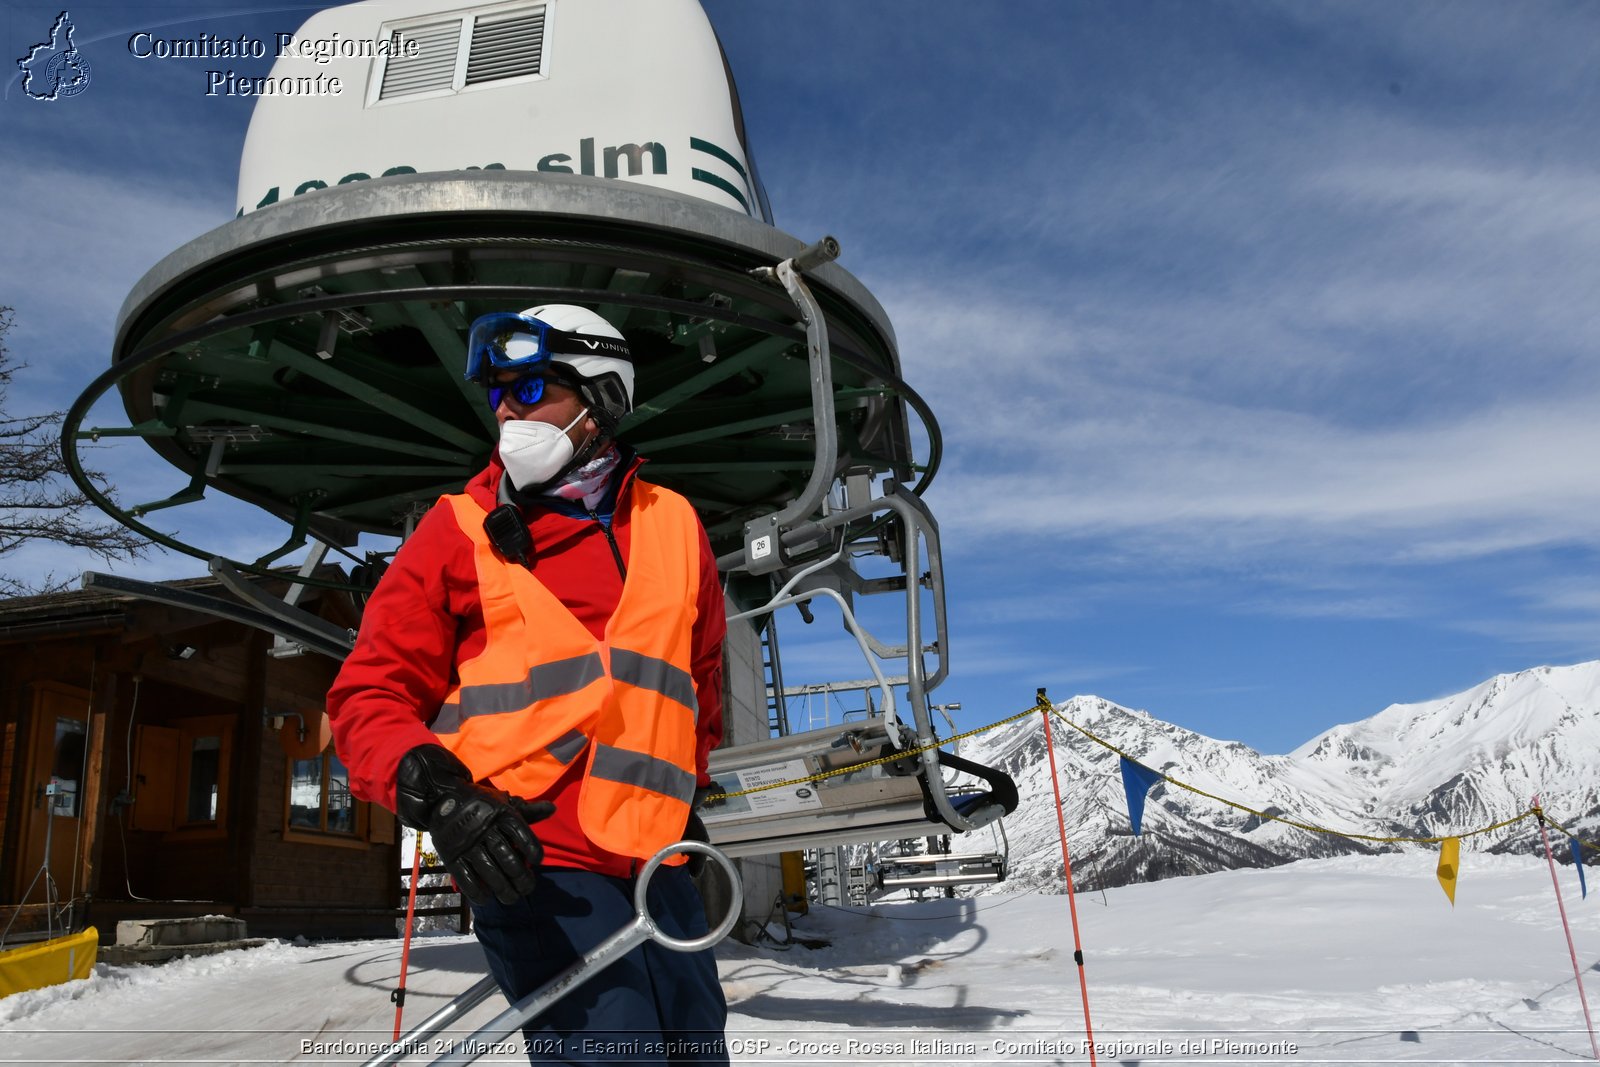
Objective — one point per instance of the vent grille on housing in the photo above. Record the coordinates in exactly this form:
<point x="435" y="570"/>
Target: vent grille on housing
<point x="432" y="68"/>
<point x="506" y="48"/>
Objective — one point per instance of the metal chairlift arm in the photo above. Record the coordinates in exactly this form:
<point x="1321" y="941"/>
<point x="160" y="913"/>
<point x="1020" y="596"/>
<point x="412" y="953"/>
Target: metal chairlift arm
<point x="763" y="551"/>
<point x="325" y="638"/>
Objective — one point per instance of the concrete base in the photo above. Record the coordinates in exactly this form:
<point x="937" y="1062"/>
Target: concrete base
<point x="126" y="954"/>
<point x="161" y="933"/>
<point x="155" y="940"/>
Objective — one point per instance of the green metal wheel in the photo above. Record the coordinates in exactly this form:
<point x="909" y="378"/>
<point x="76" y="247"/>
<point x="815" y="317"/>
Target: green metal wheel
<point x="307" y="358"/>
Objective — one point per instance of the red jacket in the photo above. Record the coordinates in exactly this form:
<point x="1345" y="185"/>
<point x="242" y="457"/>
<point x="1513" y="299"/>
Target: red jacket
<point x="424" y="617"/>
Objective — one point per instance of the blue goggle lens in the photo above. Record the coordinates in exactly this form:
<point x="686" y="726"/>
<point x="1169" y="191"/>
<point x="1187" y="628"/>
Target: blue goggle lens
<point x="528" y="390"/>
<point x="505" y="341"/>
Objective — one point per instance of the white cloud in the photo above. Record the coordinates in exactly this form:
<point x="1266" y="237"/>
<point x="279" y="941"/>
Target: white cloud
<point x="1327" y="605"/>
<point x="1034" y="606"/>
<point x="1577" y="595"/>
<point x="1207" y="474"/>
<point x="88" y="234"/>
<point x="1533" y="50"/>
<point x="78" y="240"/>
<point x="1018" y="664"/>
<point x="1403" y="376"/>
<point x="1557" y="638"/>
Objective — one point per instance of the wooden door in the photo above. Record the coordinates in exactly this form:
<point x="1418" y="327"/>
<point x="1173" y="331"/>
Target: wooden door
<point x="54" y="788"/>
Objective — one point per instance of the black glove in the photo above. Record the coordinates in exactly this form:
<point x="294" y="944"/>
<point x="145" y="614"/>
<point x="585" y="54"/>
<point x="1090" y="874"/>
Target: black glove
<point x="696" y="831"/>
<point x="705" y="796"/>
<point x="480" y="832"/>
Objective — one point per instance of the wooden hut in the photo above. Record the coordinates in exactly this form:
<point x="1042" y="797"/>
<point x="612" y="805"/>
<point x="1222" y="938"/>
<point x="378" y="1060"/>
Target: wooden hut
<point x="160" y="762"/>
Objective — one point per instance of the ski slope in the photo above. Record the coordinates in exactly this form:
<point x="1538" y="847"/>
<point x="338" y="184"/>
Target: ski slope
<point x="1344" y="960"/>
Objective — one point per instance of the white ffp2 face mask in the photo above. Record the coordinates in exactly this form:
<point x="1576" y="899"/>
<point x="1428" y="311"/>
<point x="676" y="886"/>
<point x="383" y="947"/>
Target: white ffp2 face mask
<point x="535" y="452"/>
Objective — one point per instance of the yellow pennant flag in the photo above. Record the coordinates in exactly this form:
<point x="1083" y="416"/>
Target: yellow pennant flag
<point x="1449" y="864"/>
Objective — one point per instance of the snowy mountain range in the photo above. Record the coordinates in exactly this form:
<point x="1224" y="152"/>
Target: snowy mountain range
<point x="1437" y="768"/>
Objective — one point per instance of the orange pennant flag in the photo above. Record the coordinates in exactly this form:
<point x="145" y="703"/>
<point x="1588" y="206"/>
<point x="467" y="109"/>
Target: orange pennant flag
<point x="1449" y="864"/>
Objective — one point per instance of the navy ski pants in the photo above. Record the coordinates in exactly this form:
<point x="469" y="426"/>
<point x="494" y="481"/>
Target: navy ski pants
<point x="652" y="1006"/>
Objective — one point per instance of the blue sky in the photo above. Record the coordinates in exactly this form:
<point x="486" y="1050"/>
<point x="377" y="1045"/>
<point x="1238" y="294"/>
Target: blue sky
<point x="1261" y="335"/>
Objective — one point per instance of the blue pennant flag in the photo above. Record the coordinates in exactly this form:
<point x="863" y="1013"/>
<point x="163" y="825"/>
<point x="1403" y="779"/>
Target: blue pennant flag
<point x="1136" y="782"/>
<point x="1577" y="861"/>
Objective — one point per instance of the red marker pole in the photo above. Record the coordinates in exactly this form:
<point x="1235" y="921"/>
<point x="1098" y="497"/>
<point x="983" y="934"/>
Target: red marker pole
<point x="399" y="995"/>
<point x="1573" y="952"/>
<point x="1066" y="861"/>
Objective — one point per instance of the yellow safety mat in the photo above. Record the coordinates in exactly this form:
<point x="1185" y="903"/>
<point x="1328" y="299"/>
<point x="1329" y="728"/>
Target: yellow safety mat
<point x="59" y="960"/>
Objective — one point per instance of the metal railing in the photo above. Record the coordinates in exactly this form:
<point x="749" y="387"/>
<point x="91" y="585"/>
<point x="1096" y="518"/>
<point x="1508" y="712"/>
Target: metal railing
<point x="461" y="909"/>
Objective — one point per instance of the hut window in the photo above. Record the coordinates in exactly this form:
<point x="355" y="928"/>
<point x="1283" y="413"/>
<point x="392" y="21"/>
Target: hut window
<point x="205" y="747"/>
<point x="68" y="767"/>
<point x="319" y="796"/>
<point x="183" y="774"/>
<point x="205" y="778"/>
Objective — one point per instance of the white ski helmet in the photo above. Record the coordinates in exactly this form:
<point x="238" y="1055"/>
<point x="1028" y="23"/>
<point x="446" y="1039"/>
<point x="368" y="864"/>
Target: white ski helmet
<point x="607" y="372"/>
<point x="576" y="344"/>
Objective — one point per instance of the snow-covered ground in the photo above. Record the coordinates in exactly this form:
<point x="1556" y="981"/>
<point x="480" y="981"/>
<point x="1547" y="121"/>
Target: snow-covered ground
<point x="1348" y="960"/>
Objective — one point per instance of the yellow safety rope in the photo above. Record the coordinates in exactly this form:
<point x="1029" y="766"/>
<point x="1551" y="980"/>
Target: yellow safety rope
<point x="1043" y="704"/>
<point x="1310" y="827"/>
<point x="1548" y="821"/>
<point x="900" y="755"/>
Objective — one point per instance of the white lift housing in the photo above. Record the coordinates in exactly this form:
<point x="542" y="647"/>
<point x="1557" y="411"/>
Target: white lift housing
<point x="639" y="92"/>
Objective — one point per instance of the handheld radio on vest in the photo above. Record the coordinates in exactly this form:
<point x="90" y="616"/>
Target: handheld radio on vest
<point x="509" y="534"/>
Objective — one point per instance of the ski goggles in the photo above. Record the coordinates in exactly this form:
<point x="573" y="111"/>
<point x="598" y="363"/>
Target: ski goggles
<point x="504" y="340"/>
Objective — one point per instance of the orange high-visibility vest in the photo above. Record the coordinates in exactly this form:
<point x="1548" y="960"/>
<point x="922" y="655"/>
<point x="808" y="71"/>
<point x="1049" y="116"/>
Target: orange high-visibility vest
<point x="543" y="690"/>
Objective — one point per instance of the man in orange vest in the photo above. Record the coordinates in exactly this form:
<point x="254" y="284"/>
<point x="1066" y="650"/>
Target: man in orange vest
<point x="546" y="649"/>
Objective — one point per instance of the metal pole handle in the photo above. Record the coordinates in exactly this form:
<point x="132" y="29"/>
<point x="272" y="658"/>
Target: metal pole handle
<point x="643" y="928"/>
<point x="641" y="907"/>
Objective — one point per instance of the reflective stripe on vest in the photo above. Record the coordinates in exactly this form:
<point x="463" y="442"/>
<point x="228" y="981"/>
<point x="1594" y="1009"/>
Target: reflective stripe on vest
<point x="636" y="768"/>
<point x="566" y="747"/>
<point x="543" y="689"/>
<point x="497" y="698"/>
<point x="647" y="672"/>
